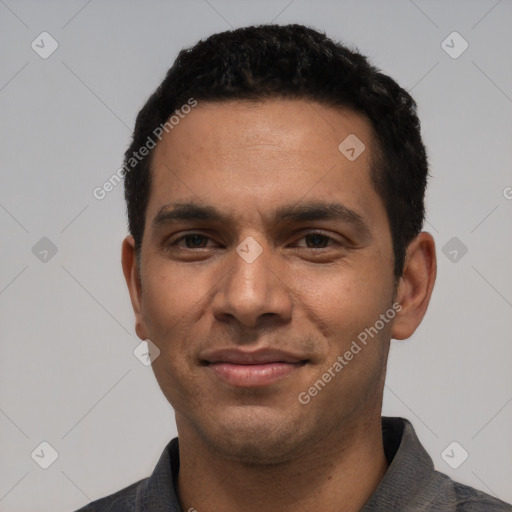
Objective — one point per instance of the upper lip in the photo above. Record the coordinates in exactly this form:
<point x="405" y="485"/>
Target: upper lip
<point x="261" y="356"/>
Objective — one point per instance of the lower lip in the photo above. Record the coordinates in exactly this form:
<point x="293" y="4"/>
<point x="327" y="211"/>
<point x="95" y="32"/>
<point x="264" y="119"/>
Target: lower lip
<point x="253" y="375"/>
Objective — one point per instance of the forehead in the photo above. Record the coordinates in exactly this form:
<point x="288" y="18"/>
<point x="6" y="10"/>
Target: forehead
<point x="253" y="155"/>
<point x="277" y="125"/>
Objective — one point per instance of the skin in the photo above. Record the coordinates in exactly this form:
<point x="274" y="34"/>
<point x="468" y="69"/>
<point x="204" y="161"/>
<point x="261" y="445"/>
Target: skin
<point x="259" y="448"/>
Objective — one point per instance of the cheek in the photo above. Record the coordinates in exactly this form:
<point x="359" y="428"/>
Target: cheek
<point x="348" y="308"/>
<point x="170" y="302"/>
<point x="343" y="301"/>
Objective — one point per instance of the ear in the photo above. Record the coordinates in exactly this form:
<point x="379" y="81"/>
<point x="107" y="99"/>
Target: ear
<point x="131" y="275"/>
<point x="415" y="285"/>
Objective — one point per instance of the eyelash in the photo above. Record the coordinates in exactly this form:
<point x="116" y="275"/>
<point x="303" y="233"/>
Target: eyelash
<point x="310" y="234"/>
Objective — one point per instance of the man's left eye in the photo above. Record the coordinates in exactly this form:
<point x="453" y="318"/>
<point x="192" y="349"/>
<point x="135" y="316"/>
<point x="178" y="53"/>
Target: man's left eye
<point x="316" y="241"/>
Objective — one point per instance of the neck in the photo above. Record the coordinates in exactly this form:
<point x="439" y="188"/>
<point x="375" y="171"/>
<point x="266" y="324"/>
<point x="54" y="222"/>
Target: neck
<point x="338" y="474"/>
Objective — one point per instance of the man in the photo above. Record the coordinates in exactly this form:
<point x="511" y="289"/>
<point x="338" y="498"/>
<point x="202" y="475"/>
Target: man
<point x="275" y="188"/>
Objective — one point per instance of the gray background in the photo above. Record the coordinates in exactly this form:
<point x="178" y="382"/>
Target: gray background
<point x="68" y="375"/>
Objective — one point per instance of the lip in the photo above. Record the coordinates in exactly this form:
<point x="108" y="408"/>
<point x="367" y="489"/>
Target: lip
<point x="252" y="369"/>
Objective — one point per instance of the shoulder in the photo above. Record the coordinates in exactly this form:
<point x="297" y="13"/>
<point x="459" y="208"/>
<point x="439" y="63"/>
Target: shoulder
<point x="121" y="501"/>
<point x="473" y="500"/>
<point x="156" y="490"/>
<point x="413" y="484"/>
<point x="463" y="498"/>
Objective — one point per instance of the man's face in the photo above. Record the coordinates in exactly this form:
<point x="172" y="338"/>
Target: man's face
<point x="266" y="252"/>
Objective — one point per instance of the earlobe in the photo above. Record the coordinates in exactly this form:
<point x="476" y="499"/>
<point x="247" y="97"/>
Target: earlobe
<point x="415" y="285"/>
<point x="131" y="275"/>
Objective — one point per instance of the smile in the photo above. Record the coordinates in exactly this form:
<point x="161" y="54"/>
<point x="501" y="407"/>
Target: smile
<point x="253" y="375"/>
<point x="252" y="369"/>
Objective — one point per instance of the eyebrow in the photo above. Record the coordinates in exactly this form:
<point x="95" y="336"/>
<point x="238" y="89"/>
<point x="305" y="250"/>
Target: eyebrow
<point x="175" y="212"/>
<point x="297" y="212"/>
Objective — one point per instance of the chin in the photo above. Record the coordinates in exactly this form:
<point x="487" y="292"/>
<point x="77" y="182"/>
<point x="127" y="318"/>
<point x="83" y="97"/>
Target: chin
<point x="257" y="436"/>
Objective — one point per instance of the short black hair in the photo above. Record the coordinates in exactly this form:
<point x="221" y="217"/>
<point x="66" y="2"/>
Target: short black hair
<point x="263" y="62"/>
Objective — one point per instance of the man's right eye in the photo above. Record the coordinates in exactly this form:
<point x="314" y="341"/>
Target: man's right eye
<point x="191" y="241"/>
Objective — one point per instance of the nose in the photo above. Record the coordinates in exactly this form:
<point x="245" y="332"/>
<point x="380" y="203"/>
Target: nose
<point x="253" y="292"/>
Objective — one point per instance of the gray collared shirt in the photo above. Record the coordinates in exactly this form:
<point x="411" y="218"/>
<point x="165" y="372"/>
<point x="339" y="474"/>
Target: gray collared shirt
<point x="411" y="484"/>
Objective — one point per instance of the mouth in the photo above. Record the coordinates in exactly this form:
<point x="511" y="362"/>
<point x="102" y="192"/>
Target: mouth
<point x="252" y="369"/>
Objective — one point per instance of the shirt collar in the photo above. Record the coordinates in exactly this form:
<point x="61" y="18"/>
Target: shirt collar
<point x="409" y="473"/>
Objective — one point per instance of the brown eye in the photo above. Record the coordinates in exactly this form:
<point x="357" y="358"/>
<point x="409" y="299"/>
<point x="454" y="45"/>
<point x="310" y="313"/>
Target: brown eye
<point x="316" y="241"/>
<point x="195" y="241"/>
<point x="192" y="241"/>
